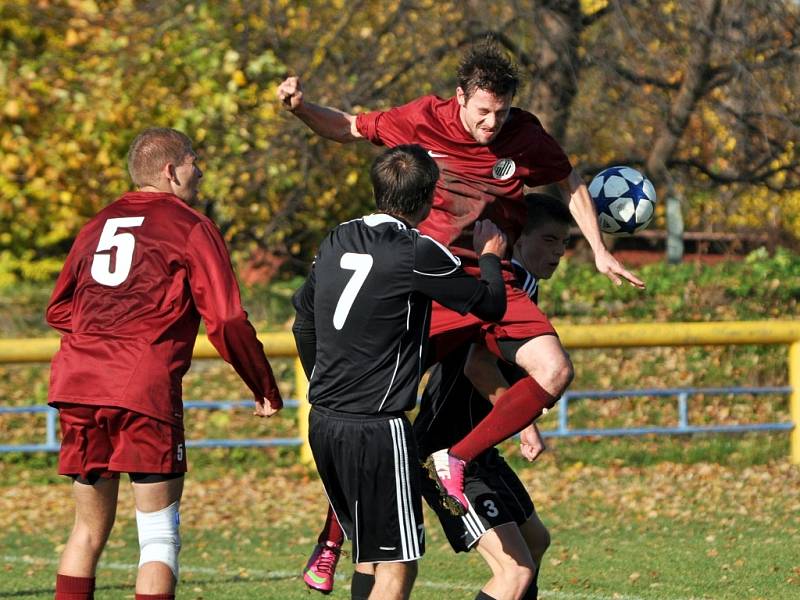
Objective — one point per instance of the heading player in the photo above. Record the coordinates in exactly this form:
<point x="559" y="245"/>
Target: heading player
<point x="501" y="521"/>
<point x="487" y="151"/>
<point x="362" y="326"/>
<point x="128" y="301"/>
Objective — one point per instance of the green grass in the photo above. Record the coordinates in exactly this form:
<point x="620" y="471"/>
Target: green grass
<point x="667" y="532"/>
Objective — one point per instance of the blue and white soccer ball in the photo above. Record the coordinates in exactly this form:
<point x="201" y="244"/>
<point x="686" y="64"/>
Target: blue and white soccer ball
<point x="625" y="200"/>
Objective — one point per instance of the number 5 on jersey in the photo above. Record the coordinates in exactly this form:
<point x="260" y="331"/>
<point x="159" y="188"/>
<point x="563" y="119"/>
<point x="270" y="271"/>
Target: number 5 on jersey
<point x="361" y="265"/>
<point x="123" y="242"/>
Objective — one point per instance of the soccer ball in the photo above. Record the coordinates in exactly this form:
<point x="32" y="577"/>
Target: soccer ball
<point x="625" y="200"/>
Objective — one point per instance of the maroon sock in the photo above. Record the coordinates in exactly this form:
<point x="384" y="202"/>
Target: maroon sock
<point x="155" y="596"/>
<point x="74" y="588"/>
<point x="513" y="412"/>
<point x="332" y="532"/>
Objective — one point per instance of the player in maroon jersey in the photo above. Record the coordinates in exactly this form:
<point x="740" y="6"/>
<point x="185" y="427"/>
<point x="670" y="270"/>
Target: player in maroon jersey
<point x="487" y="151"/>
<point x="128" y="302"/>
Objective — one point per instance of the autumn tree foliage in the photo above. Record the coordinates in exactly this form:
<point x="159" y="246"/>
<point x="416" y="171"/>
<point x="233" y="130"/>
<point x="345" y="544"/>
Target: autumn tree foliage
<point x="703" y="96"/>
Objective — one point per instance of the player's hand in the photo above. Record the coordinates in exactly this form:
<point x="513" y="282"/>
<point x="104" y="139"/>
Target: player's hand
<point x="488" y="239"/>
<point x="613" y="269"/>
<point x="264" y="408"/>
<point x="531" y="443"/>
<point x="290" y="93"/>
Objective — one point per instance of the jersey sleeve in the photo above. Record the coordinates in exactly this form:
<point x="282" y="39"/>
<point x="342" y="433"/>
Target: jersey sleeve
<point x="303" y="329"/>
<point x="550" y="163"/>
<point x="438" y="275"/>
<point x="390" y="127"/>
<point x="59" y="308"/>
<point x="216" y="295"/>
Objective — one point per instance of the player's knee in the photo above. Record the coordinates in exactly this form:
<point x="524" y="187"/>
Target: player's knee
<point x="159" y="538"/>
<point x="520" y="576"/>
<point x="540" y="542"/>
<point x="91" y="538"/>
<point x="559" y="376"/>
<point x="562" y="374"/>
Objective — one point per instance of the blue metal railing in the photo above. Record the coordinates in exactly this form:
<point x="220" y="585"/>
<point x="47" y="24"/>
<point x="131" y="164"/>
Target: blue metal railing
<point x="683" y="426"/>
<point x="563" y="430"/>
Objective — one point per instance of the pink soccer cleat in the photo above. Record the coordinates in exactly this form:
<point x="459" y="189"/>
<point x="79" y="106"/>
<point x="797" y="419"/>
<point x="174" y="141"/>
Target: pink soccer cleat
<point x="447" y="472"/>
<point x="321" y="567"/>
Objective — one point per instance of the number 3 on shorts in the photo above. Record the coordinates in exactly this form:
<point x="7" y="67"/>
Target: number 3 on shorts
<point x="361" y="264"/>
<point x="123" y="242"/>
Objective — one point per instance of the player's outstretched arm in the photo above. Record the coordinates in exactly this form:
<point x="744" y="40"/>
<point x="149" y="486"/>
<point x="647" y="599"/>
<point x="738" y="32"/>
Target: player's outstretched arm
<point x="330" y="123"/>
<point x="580" y="204"/>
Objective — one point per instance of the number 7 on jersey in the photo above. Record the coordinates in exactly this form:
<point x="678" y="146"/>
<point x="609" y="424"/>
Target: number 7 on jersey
<point x="361" y="264"/>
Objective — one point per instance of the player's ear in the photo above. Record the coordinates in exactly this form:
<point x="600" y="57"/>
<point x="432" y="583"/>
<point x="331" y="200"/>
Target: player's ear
<point x="461" y="96"/>
<point x="171" y="173"/>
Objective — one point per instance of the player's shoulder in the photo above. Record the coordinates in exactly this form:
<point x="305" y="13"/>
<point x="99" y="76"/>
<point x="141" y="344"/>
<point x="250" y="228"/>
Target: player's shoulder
<point x="430" y="105"/>
<point x="432" y="257"/>
<point x="523" y="121"/>
<point x="159" y="205"/>
<point x="368" y="233"/>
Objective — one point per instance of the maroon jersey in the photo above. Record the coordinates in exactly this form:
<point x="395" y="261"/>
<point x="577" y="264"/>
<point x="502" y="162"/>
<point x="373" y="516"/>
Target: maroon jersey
<point x="476" y="181"/>
<point x="129" y="299"/>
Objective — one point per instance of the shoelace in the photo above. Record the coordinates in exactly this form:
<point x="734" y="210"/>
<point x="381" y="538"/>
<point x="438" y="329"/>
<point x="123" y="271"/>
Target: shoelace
<point x="327" y="559"/>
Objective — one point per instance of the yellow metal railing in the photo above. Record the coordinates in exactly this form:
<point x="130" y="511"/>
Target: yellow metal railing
<point x="573" y="336"/>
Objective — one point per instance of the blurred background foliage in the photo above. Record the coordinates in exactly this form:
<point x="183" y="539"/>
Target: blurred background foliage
<point x="703" y="96"/>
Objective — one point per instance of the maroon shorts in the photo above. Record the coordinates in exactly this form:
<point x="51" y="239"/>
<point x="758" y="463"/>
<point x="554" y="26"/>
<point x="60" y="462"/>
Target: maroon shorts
<point x="107" y="440"/>
<point x="523" y="320"/>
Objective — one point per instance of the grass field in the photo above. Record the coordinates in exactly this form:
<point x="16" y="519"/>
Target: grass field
<point x="664" y="530"/>
<point x="711" y="517"/>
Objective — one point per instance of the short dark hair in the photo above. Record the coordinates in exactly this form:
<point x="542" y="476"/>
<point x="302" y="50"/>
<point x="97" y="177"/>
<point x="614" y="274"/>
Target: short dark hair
<point x="544" y="208"/>
<point x="486" y="67"/>
<point x="152" y="149"/>
<point x="403" y="179"/>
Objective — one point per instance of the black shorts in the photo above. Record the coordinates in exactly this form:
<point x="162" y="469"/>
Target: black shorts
<point x="496" y="497"/>
<point x="368" y="466"/>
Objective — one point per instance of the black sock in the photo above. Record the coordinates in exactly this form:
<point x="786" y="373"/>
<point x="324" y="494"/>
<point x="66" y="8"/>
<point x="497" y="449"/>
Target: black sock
<point x="361" y="585"/>
<point x="484" y="596"/>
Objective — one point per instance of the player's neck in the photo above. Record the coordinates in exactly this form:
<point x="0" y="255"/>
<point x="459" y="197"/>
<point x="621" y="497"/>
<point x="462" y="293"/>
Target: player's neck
<point x="410" y="223"/>
<point x="153" y="189"/>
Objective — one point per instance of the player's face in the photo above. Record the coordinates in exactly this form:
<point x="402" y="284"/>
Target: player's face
<point x="187" y="179"/>
<point x="483" y="113"/>
<point x="541" y="249"/>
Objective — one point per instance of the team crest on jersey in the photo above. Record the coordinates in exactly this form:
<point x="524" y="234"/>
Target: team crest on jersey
<point x="503" y="168"/>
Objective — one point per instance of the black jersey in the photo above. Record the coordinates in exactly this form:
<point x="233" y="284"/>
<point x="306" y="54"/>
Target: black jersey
<point x="370" y="293"/>
<point x="451" y="406"/>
